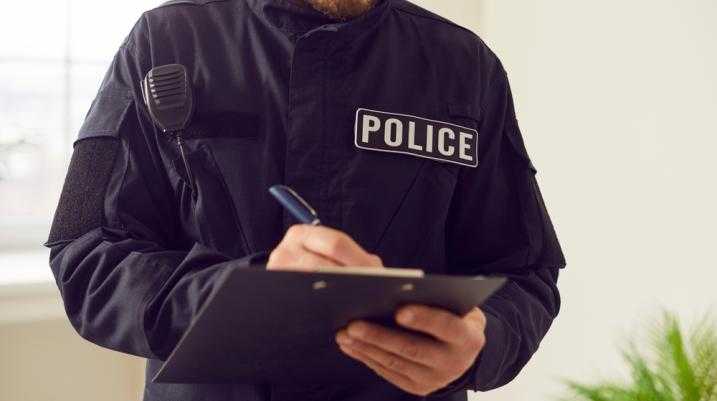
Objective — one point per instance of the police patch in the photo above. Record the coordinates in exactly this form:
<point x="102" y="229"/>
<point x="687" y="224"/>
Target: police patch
<point x="402" y="133"/>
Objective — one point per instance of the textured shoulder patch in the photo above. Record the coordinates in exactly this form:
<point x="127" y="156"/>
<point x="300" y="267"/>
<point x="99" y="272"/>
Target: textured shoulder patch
<point x="81" y="205"/>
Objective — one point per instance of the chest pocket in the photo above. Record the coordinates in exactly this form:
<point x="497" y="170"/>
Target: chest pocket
<point x="424" y="212"/>
<point x="403" y="214"/>
<point x="228" y="124"/>
<point x="208" y="211"/>
<point x="399" y="194"/>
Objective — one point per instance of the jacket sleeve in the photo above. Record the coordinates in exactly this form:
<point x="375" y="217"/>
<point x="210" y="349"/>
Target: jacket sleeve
<point x="499" y="225"/>
<point x="127" y="279"/>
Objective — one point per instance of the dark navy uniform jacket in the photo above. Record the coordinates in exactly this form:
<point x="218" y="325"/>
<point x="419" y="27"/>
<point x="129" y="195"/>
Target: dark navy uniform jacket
<point x="397" y="126"/>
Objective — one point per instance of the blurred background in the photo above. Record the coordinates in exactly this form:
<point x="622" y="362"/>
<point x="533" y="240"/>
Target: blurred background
<point x="617" y="103"/>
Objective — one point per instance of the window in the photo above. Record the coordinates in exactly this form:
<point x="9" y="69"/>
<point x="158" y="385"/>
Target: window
<point x="52" y="60"/>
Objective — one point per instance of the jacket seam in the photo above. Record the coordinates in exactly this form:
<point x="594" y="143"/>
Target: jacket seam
<point x="144" y="303"/>
<point x="141" y="305"/>
<point x="402" y="8"/>
<point x="118" y="203"/>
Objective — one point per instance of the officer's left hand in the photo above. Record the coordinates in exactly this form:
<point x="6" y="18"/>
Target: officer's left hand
<point x="415" y="363"/>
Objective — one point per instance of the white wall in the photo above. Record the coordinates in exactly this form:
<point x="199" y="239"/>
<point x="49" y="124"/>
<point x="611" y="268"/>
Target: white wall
<point x="45" y="360"/>
<point x="618" y="104"/>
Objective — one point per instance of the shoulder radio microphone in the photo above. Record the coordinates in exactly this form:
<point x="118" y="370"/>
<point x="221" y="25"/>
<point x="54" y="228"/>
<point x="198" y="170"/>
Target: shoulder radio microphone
<point x="167" y="93"/>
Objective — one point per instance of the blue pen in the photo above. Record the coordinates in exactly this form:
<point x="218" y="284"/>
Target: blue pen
<point x="295" y="204"/>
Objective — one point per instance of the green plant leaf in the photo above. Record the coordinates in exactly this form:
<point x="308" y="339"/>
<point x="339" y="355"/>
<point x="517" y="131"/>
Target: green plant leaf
<point x="684" y="373"/>
<point x="678" y="367"/>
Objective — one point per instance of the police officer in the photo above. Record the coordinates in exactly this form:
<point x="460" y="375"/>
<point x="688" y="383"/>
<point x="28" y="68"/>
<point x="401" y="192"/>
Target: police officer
<point x="395" y="124"/>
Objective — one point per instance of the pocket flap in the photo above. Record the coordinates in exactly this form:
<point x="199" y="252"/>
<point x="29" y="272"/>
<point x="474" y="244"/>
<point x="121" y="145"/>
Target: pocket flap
<point x="107" y="112"/>
<point x="227" y="124"/>
<point x="461" y="110"/>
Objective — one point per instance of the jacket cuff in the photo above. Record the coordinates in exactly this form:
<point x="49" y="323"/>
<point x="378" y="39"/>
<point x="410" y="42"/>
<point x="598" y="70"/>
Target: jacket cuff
<point x="492" y="358"/>
<point x="255" y="260"/>
<point x="463" y="383"/>
<point x="485" y="369"/>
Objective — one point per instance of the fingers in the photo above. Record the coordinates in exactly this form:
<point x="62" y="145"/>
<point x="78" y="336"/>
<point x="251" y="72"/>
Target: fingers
<point x="398" y="379"/>
<point x="476" y="317"/>
<point x="415" y="363"/>
<point x="284" y="258"/>
<point x="306" y="247"/>
<point x="331" y="244"/>
<point x="411" y="347"/>
<point x="441" y="324"/>
<point x="389" y="360"/>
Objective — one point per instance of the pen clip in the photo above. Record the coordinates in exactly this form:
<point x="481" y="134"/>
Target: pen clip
<point x="300" y="199"/>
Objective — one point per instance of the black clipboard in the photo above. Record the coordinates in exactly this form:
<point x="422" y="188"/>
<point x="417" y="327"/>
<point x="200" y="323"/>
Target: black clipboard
<point x="262" y="326"/>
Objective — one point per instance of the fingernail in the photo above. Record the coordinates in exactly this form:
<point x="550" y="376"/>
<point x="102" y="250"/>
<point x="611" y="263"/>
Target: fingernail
<point x="343" y="339"/>
<point x="405" y="316"/>
<point x="356" y="330"/>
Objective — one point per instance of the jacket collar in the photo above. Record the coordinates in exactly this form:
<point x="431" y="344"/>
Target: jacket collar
<point x="296" y="19"/>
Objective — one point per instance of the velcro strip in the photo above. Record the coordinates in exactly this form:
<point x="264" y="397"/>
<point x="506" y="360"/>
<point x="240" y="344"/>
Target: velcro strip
<point x="81" y="205"/>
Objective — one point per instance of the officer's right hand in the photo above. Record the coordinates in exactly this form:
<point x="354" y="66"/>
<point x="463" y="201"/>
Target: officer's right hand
<point x="307" y="247"/>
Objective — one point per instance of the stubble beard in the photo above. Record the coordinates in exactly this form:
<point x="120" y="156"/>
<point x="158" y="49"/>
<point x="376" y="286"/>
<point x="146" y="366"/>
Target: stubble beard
<point x="342" y="9"/>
